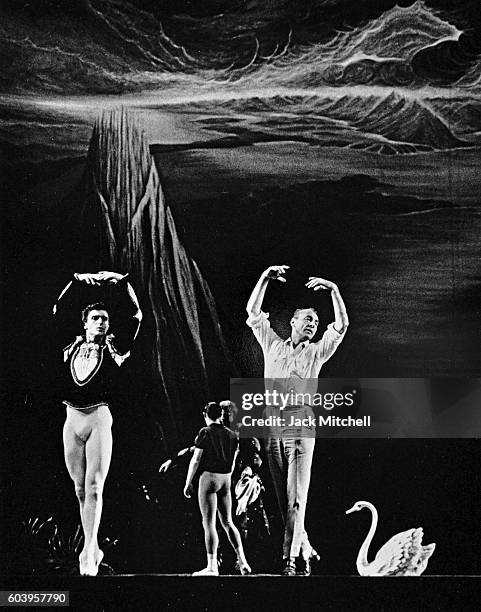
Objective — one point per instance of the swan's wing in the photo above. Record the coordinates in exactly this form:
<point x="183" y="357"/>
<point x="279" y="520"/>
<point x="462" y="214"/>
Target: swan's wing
<point x="400" y="553"/>
<point x="427" y="551"/>
<point x="418" y="568"/>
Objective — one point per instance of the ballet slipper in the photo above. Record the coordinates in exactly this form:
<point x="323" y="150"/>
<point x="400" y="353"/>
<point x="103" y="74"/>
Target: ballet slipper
<point x="206" y="572"/>
<point x="89" y="567"/>
<point x="244" y="568"/>
<point x="81" y="565"/>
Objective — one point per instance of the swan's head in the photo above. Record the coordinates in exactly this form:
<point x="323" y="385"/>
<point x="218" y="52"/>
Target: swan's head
<point x="359" y="505"/>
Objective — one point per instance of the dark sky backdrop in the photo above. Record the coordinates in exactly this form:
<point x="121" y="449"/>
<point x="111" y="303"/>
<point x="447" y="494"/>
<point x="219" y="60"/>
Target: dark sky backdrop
<point x="235" y="22"/>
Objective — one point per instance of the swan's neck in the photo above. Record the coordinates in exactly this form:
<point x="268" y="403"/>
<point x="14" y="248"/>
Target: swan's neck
<point x="362" y="561"/>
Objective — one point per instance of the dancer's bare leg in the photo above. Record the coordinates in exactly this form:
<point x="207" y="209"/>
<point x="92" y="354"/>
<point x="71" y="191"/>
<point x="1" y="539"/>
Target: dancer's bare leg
<point x="225" y="515"/>
<point x="208" y="506"/>
<point x="98" y="453"/>
<point x="74" y="452"/>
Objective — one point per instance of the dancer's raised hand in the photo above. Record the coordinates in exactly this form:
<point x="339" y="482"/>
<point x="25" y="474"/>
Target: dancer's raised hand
<point x="315" y="283"/>
<point x="276" y="273"/>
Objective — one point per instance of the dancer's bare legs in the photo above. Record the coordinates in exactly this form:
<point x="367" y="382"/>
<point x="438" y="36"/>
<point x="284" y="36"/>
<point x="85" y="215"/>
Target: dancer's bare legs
<point x="215" y="497"/>
<point x="88" y="449"/>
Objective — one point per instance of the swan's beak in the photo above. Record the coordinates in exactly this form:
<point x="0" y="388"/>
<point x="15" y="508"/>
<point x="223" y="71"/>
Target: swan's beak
<point x="353" y="509"/>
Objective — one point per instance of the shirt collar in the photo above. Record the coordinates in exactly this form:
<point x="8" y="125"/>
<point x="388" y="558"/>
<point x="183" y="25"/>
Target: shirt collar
<point x="301" y="344"/>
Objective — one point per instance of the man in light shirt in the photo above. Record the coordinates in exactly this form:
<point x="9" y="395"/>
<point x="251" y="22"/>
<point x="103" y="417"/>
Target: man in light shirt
<point x="293" y="365"/>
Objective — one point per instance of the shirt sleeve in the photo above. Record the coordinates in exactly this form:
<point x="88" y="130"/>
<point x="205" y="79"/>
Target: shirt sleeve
<point x="327" y="345"/>
<point x="262" y="330"/>
<point x="201" y="439"/>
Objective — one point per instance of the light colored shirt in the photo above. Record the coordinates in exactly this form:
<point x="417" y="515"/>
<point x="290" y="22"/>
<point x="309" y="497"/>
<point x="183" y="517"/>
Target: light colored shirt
<point x="290" y="369"/>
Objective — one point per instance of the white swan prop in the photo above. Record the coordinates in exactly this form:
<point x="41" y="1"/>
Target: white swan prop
<point x="402" y="555"/>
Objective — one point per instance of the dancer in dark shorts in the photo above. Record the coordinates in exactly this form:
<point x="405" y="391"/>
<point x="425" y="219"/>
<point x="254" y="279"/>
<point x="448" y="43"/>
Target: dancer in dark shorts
<point x="214" y="456"/>
<point x="91" y="363"/>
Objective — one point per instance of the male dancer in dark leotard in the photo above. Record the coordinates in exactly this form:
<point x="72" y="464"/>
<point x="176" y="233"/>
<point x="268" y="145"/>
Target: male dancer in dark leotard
<point x="91" y="363"/>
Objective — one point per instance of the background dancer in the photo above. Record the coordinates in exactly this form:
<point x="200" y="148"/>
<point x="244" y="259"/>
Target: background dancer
<point x="290" y="362"/>
<point x="214" y="455"/>
<point x="91" y="362"/>
<point x="228" y="408"/>
<point x="250" y="512"/>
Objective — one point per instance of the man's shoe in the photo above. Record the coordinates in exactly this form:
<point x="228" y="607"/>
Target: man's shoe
<point x="289" y="568"/>
<point x="304" y="566"/>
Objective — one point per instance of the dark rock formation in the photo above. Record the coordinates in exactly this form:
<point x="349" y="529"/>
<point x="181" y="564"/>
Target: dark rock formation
<point x="125" y="208"/>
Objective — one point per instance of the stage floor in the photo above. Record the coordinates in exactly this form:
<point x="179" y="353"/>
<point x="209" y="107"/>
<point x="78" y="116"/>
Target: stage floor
<point x="152" y="592"/>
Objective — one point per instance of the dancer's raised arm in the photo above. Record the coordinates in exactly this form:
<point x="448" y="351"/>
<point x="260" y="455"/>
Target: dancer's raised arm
<point x="340" y="313"/>
<point x="257" y="296"/>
